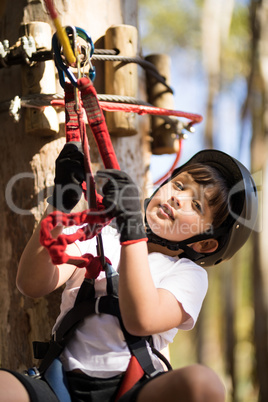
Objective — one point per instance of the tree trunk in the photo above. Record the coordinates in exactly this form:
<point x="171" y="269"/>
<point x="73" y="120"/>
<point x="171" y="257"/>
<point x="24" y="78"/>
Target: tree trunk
<point x="259" y="165"/>
<point x="216" y="21"/>
<point x="28" y="168"/>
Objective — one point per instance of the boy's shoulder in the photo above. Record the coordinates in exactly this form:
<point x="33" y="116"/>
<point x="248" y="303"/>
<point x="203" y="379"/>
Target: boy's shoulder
<point x="173" y="265"/>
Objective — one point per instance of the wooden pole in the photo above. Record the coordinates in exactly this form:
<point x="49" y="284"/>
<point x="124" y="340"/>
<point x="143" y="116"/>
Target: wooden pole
<point x="165" y="140"/>
<point x="121" y="79"/>
<point x="39" y="78"/>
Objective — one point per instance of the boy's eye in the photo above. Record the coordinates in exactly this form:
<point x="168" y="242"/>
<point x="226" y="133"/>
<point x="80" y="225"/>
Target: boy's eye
<point x="197" y="205"/>
<point x="179" y="185"/>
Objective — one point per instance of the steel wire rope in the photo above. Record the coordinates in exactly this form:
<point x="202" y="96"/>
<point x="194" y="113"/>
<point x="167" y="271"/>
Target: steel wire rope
<point x="98" y="55"/>
<point x="148" y="66"/>
<point x="44" y="100"/>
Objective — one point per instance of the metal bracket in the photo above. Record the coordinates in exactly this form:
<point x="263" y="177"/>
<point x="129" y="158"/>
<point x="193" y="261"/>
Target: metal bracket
<point x="22" y="51"/>
<point x="28" y="47"/>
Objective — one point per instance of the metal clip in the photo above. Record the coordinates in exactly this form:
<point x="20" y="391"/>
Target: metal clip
<point x="62" y="67"/>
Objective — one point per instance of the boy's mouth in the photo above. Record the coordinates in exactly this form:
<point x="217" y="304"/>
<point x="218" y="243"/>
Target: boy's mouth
<point x="167" y="211"/>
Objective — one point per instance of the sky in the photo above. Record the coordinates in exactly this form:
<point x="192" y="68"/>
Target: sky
<point x="189" y="83"/>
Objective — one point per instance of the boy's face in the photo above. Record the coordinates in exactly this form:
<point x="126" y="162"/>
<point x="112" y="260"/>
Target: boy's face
<point x="179" y="209"/>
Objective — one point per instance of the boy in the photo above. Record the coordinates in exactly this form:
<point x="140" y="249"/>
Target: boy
<point x="196" y="215"/>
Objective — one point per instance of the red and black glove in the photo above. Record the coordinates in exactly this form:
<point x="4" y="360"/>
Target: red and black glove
<point x="121" y="200"/>
<point x="69" y="176"/>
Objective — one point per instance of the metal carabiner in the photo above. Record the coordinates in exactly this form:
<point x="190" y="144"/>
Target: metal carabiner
<point x="63" y="69"/>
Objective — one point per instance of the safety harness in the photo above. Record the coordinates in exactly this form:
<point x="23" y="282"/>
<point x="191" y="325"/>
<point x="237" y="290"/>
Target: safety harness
<point x="91" y="222"/>
<point x="87" y="304"/>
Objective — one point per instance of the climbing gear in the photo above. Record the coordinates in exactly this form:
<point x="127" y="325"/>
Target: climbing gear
<point x="61" y="33"/>
<point x="87" y="304"/>
<point x="63" y="68"/>
<point x="95" y="218"/>
<point x="121" y="197"/>
<point x="69" y="176"/>
<point x="93" y="389"/>
<point x="243" y="207"/>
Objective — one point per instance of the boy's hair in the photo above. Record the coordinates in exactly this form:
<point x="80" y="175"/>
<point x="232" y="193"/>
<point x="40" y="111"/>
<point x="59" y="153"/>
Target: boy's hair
<point x="208" y="177"/>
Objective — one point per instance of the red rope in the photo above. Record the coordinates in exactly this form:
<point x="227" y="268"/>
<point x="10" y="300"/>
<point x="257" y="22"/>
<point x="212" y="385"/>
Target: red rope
<point x="97" y="123"/>
<point x="153" y="110"/>
<point x="92" y="222"/>
<point x="72" y="127"/>
<point x="51" y="9"/>
<point x="174" y="165"/>
<point x="95" y="119"/>
<point x="93" y="219"/>
<point x="75" y="130"/>
<point x="141" y="109"/>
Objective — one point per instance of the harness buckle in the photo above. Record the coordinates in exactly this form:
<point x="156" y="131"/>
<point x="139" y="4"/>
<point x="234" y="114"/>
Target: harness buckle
<point x="33" y="372"/>
<point x="97" y="302"/>
<point x="154" y="374"/>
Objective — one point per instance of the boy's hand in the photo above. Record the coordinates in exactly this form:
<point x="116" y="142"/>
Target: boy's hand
<point x="121" y="199"/>
<point x="70" y="174"/>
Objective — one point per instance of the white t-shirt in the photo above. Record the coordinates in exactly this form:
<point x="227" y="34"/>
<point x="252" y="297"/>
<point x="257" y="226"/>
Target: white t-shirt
<point x="98" y="347"/>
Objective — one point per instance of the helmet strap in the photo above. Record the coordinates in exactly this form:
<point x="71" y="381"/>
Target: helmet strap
<point x="188" y="252"/>
<point x="176" y="246"/>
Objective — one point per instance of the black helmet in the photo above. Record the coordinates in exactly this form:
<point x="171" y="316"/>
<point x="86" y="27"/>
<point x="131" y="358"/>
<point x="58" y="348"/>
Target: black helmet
<point x="243" y="206"/>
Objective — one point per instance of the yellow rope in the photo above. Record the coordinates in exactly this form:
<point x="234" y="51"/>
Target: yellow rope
<point x="64" y="40"/>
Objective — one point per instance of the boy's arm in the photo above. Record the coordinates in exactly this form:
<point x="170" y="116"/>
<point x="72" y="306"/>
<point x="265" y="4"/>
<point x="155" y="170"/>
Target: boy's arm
<point x="37" y="276"/>
<point x="145" y="309"/>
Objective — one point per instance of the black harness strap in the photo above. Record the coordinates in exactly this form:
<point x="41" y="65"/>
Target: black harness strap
<point x="85" y="305"/>
<point x="140" y="351"/>
<point x="65" y="331"/>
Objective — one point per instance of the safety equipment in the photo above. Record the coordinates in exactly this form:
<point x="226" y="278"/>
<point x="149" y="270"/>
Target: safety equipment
<point x="95" y="218"/>
<point x="121" y="198"/>
<point x="70" y="174"/>
<point x="87" y="304"/>
<point x="242" y="206"/>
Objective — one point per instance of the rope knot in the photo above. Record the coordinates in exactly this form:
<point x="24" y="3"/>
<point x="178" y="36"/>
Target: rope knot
<point x="93" y="266"/>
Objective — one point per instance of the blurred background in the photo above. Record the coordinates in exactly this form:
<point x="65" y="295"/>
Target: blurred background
<point x="219" y="56"/>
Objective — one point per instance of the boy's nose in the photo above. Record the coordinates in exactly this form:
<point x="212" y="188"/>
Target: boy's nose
<point x="182" y="203"/>
<point x="176" y="201"/>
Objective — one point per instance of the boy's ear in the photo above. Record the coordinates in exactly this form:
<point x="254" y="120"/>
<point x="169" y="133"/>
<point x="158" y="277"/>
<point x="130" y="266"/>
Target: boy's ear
<point x="206" y="246"/>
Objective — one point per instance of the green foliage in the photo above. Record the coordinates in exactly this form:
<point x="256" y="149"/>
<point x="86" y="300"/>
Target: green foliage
<point x="168" y="25"/>
<point x="236" y="51"/>
<point x="165" y="25"/>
